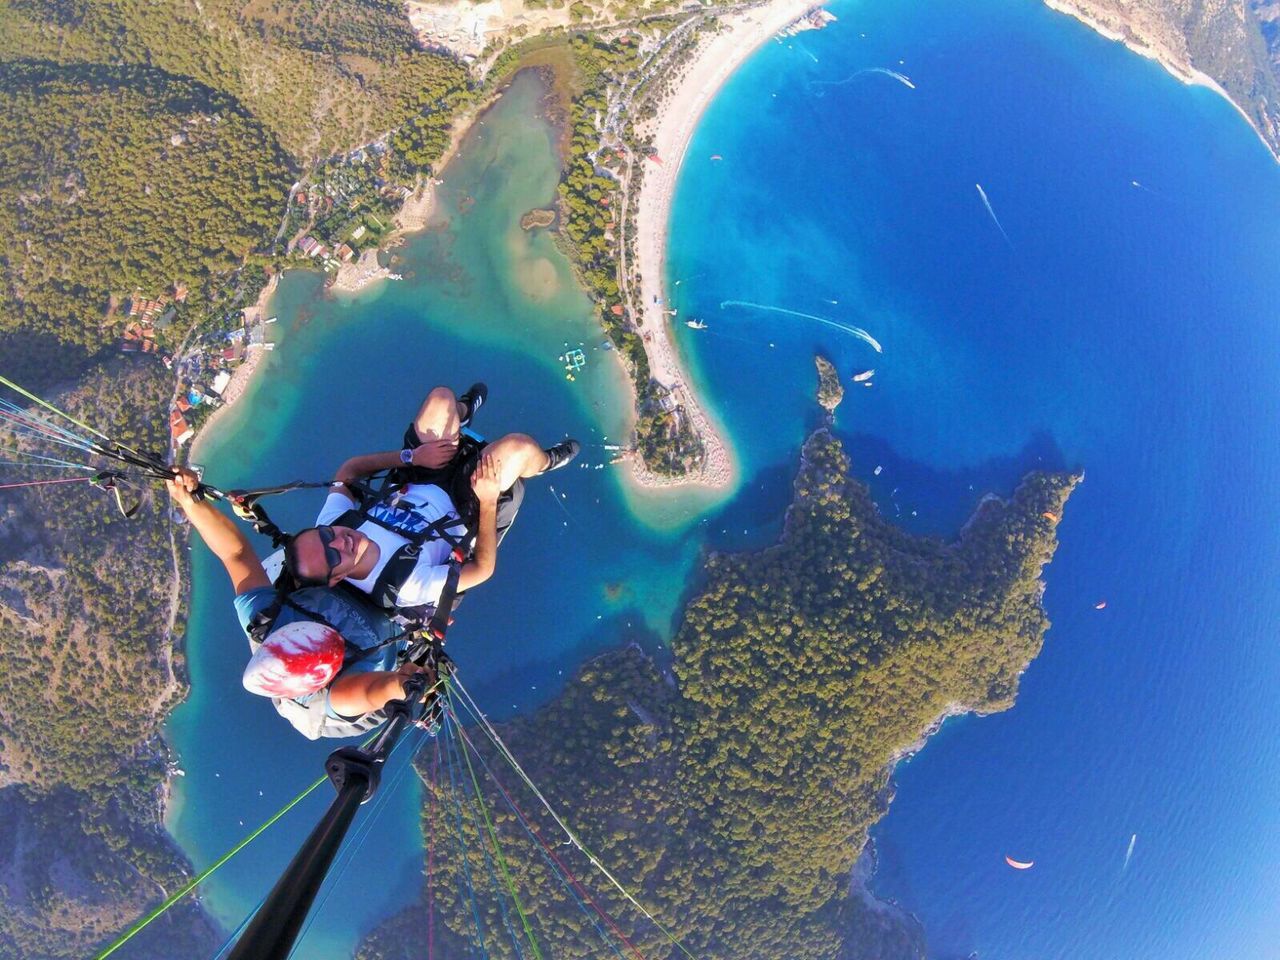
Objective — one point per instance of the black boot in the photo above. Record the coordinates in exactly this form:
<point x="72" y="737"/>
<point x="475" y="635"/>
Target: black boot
<point x="473" y="400"/>
<point x="562" y="453"/>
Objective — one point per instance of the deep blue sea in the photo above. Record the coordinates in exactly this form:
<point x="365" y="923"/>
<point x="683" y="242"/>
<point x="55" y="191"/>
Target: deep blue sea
<point x="1129" y="329"/>
<point x="1115" y="311"/>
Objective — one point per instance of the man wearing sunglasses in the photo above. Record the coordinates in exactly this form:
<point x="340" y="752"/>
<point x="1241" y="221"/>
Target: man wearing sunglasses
<point x="303" y="661"/>
<point x="399" y="551"/>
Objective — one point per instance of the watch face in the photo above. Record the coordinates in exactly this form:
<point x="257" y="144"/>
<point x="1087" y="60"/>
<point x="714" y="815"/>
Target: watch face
<point x="406" y="455"/>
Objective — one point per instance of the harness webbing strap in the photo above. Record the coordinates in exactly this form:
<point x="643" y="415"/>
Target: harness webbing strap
<point x="439" y="623"/>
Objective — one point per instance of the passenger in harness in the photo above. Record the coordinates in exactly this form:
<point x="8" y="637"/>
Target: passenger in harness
<point x="434" y="530"/>
<point x="328" y="658"/>
<point x="331" y="654"/>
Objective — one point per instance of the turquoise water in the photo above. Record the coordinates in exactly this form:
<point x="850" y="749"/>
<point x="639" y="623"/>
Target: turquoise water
<point x="481" y="299"/>
<point x="1129" y="330"/>
<point x="1124" y="329"/>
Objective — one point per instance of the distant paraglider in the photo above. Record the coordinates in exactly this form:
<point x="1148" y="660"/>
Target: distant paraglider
<point x="1019" y="864"/>
<point x="1100" y="605"/>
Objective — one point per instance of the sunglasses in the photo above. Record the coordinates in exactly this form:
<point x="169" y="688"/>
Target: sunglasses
<point x="331" y="556"/>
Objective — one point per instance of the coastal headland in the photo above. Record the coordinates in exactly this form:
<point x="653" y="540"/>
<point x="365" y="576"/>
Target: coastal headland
<point x="1181" y="45"/>
<point x="669" y="133"/>
<point x="704" y="60"/>
<point x="94" y="767"/>
<point x="711" y="765"/>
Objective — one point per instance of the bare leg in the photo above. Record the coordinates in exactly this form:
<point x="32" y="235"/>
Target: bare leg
<point x="440" y="416"/>
<point x="518" y="455"/>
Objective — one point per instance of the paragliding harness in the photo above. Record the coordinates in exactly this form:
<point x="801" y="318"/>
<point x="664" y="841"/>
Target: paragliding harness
<point x="423" y="643"/>
<point x="366" y="631"/>
<point x="368" y="624"/>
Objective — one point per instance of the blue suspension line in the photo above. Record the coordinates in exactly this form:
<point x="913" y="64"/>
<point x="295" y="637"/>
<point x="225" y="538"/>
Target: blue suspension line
<point x="53" y="465"/>
<point x="498" y="892"/>
<point x="551" y="864"/>
<point x="353" y="843"/>
<point x="230" y="942"/>
<point x="462" y="840"/>
<point x="34" y="421"/>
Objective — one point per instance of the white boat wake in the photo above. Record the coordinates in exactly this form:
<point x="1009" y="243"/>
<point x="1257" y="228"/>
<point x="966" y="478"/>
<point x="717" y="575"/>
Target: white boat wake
<point x="994" y="219"/>
<point x="847" y="328"/>
<point x="885" y="71"/>
<point x="900" y="77"/>
<point x="1128" y="854"/>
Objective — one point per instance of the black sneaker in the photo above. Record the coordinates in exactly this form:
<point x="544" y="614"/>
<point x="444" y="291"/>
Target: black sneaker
<point x="562" y="453"/>
<point x="473" y="400"/>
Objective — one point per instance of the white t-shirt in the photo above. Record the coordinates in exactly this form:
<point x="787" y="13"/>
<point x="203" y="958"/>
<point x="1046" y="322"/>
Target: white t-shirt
<point x="412" y="508"/>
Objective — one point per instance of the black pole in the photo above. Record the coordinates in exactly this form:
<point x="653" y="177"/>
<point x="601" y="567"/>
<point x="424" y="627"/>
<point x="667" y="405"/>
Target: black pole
<point x="355" y="774"/>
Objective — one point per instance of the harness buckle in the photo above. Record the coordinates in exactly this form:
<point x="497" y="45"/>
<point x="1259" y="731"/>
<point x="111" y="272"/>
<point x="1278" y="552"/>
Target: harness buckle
<point x="110" y="481"/>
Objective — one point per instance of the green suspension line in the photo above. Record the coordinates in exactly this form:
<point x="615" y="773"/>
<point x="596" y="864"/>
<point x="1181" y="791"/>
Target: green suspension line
<point x="493" y="839"/>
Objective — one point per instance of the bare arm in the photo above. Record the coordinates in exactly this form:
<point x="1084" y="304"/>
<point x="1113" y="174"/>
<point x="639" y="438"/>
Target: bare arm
<point x="485" y="560"/>
<point x="220" y="533"/>
<point x="363" y="466"/>
<point x="432" y="453"/>
<point x="360" y="693"/>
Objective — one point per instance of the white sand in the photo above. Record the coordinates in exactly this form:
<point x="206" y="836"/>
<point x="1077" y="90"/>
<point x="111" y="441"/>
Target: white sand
<point x="359" y="273"/>
<point x="677" y="119"/>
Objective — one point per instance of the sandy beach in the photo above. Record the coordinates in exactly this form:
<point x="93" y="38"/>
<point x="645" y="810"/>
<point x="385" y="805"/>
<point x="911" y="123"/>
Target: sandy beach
<point x="716" y="60"/>
<point x="242" y="374"/>
<point x="359" y="273"/>
<point x="413" y="215"/>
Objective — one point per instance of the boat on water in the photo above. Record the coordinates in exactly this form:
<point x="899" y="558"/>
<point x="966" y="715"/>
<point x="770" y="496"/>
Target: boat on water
<point x="696" y="324"/>
<point x="864" y="375"/>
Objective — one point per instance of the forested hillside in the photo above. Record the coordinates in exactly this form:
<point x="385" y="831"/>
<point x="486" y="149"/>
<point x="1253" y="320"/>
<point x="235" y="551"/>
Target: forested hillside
<point x="734" y="794"/>
<point x="114" y="179"/>
<point x="86" y="602"/>
<point x="147" y="147"/>
<point x="322" y="75"/>
<point x="1234" y="42"/>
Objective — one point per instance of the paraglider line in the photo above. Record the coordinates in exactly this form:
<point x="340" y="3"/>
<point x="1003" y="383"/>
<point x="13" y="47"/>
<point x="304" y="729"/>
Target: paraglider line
<point x="431" y="853"/>
<point x="488" y="861"/>
<point x="48" y="406"/>
<point x="208" y="871"/>
<point x="235" y="934"/>
<point x="34" y="421"/>
<point x="502" y="861"/>
<point x="52" y="465"/>
<point x="573" y="837"/>
<point x="41" y="483"/>
<point x="462" y="840"/>
<point x="549" y="852"/>
<point x="353" y="844"/>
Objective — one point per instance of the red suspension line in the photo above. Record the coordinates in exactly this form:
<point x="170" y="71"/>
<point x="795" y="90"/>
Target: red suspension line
<point x="551" y="852"/>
